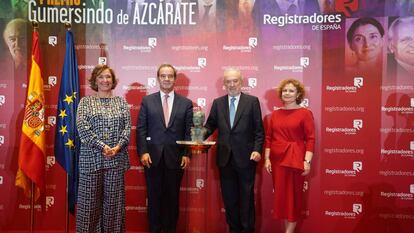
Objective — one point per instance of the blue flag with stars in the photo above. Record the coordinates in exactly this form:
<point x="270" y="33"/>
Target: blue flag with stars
<point x="66" y="137"/>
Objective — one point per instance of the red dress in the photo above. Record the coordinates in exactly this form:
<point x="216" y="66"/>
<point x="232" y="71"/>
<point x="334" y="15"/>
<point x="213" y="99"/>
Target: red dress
<point x="289" y="135"/>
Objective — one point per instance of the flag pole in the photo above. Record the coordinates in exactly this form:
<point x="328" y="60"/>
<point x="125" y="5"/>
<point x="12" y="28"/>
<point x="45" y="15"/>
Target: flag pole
<point x="35" y="25"/>
<point x="32" y="207"/>
<point x="67" y="205"/>
<point x="68" y="27"/>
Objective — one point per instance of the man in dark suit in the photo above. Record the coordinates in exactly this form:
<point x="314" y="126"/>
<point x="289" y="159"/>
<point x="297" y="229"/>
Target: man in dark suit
<point x="238" y="118"/>
<point x="164" y="118"/>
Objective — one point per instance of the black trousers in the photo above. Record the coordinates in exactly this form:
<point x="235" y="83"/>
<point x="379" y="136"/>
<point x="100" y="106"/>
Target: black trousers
<point x="163" y="188"/>
<point x="237" y="189"/>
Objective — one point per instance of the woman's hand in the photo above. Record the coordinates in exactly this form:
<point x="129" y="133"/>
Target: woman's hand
<point x="111" y="152"/>
<point x="268" y="165"/>
<point x="307" y="168"/>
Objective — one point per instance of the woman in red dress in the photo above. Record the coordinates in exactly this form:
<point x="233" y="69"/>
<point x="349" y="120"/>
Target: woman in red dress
<point x="290" y="141"/>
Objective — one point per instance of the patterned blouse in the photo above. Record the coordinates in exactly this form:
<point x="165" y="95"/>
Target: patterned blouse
<point x="100" y="122"/>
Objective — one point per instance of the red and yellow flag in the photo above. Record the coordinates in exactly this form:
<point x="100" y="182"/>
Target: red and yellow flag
<point x="32" y="141"/>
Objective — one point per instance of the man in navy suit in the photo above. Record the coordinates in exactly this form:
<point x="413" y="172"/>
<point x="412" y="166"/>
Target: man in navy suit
<point x="238" y="118"/>
<point x="164" y="118"/>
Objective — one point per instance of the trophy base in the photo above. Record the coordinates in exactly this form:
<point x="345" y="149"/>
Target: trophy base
<point x="197" y="148"/>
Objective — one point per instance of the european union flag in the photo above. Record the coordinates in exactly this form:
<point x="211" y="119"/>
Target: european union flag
<point x="67" y="141"/>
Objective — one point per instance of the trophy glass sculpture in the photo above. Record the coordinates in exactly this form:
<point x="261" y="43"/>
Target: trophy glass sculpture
<point x="197" y="145"/>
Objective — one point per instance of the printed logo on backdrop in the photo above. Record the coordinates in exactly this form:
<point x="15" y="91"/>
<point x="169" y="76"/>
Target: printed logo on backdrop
<point x="51" y="121"/>
<point x="400" y="109"/>
<point x="201" y="64"/>
<point x="356" y="168"/>
<point x="305" y="103"/>
<point x="346" y="6"/>
<point x="356" y="211"/>
<point x="140" y="209"/>
<point x="404" y="196"/>
<point x="52" y="40"/>
<point x="252" y="82"/>
<point x="102" y="60"/>
<point x="251" y="43"/>
<point x="1" y="140"/>
<point x="151" y="44"/>
<point x="304" y="62"/>
<point x="200" y="183"/>
<point x="50" y="201"/>
<point x="358" y="84"/>
<point x="51" y="82"/>
<point x="151" y="83"/>
<point x="2" y="99"/>
<point x="343" y="193"/>
<point x="407" y="152"/>
<point x="50" y="161"/>
<point x="357" y="125"/>
<point x="316" y="21"/>
<point x="357" y="208"/>
<point x="201" y="102"/>
<point x="144" y="87"/>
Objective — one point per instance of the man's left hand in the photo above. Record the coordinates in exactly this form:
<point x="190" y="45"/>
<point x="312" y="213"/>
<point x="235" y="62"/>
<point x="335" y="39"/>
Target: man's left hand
<point x="185" y="162"/>
<point x="255" y="156"/>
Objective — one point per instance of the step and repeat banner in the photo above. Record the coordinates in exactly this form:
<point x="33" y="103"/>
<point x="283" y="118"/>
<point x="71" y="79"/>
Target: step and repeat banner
<point x="356" y="59"/>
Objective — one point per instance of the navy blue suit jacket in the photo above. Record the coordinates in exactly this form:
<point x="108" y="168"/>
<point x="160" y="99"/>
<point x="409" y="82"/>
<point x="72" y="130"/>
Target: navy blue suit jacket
<point x="155" y="138"/>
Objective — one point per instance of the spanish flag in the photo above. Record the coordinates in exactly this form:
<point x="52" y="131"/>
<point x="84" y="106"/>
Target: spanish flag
<point x="32" y="141"/>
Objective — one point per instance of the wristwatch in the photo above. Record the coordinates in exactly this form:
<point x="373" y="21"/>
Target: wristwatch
<point x="307" y="161"/>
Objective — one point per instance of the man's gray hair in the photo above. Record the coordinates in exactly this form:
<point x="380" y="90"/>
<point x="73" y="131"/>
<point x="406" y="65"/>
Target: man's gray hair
<point x="394" y="26"/>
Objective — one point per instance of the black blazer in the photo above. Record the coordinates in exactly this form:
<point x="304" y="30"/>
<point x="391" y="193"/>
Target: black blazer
<point x="247" y="134"/>
<point x="155" y="138"/>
